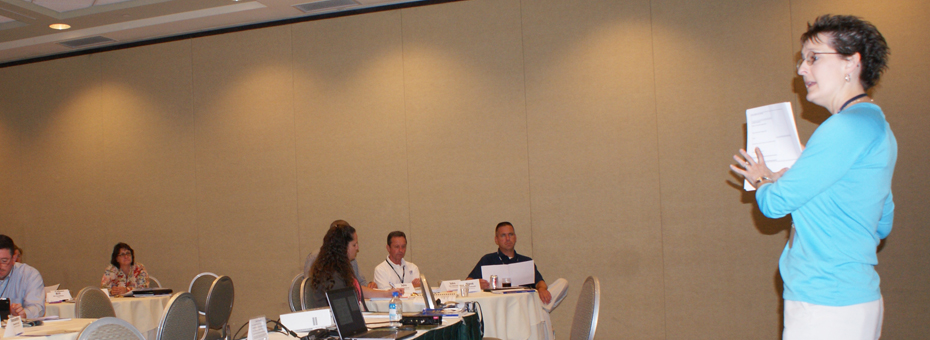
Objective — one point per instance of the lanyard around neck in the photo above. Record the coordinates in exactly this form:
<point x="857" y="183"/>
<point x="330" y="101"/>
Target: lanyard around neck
<point x="402" y="269"/>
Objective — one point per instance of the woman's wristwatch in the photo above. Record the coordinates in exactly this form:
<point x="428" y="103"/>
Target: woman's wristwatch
<point x="761" y="179"/>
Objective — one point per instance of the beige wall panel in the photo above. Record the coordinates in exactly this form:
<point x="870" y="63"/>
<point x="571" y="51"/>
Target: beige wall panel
<point x="593" y="165"/>
<point x="713" y="61"/>
<point x="904" y="263"/>
<point x="11" y="109"/>
<point x="61" y="170"/>
<point x="246" y="186"/>
<point x="466" y="130"/>
<point x="148" y="133"/>
<point x="351" y="145"/>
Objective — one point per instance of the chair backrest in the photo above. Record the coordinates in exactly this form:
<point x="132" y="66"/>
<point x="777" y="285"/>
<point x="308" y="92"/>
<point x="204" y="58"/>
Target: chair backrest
<point x="306" y="294"/>
<point x="154" y="283"/>
<point x="93" y="303"/>
<point x="293" y="293"/>
<point x="179" y="321"/>
<point x="220" y="302"/>
<point x="200" y="288"/>
<point x="110" y="328"/>
<point x="589" y="301"/>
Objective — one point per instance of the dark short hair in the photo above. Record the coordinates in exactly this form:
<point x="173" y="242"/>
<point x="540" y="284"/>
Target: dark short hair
<point x="396" y="233"/>
<point x="499" y="225"/>
<point x="117" y="248"/>
<point x="850" y="35"/>
<point x="7" y="243"/>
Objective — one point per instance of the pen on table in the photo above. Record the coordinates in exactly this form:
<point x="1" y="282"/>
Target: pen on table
<point x="517" y="291"/>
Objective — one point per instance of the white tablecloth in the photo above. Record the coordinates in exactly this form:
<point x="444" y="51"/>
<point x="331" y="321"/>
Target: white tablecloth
<point x="69" y="327"/>
<point x="373" y="320"/>
<point x="142" y="312"/>
<point x="517" y="316"/>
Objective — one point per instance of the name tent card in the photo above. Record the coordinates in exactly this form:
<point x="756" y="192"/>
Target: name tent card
<point x="14" y="327"/>
<point x="58" y="296"/>
<point x="258" y="329"/>
<point x="474" y="286"/>
<point x="450" y="285"/>
<point x="407" y="287"/>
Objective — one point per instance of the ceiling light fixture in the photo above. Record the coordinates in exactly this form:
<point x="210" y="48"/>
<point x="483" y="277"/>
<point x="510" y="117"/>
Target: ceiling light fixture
<point x="59" y="26"/>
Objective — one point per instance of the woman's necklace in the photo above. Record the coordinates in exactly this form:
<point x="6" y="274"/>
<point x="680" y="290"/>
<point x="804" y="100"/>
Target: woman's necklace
<point x="851" y="100"/>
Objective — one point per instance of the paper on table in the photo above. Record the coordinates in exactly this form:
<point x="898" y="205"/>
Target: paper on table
<point x="520" y="273"/>
<point x="772" y="129"/>
<point x="408" y="288"/>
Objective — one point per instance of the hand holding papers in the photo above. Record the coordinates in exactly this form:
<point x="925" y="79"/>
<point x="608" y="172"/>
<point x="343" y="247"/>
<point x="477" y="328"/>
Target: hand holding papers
<point x="772" y="129"/>
<point x="520" y="273"/>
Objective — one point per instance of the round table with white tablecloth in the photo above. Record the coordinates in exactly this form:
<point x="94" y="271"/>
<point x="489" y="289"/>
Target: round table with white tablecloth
<point x="506" y="316"/>
<point x="142" y="312"/>
<point x="54" y="330"/>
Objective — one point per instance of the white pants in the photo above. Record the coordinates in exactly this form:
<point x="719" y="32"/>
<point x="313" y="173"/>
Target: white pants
<point x="558" y="289"/>
<point x="805" y="321"/>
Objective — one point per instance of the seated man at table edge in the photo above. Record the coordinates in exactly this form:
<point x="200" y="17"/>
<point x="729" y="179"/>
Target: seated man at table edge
<point x="395" y="269"/>
<point x="331" y="269"/>
<point x="308" y="263"/>
<point x="506" y="239"/>
<point x="20" y="283"/>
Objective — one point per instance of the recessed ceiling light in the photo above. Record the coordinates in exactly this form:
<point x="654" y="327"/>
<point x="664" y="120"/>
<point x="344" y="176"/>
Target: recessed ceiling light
<point x="60" y="26"/>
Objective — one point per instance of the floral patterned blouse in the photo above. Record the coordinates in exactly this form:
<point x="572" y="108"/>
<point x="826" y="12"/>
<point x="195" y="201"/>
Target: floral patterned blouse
<point x="113" y="277"/>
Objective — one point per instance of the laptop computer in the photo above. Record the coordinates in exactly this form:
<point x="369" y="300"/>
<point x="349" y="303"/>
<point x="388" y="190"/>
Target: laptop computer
<point x="150" y="291"/>
<point x="350" y="324"/>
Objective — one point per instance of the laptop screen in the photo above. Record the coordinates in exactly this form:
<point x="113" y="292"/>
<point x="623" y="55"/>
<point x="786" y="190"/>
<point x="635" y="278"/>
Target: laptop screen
<point x="344" y="305"/>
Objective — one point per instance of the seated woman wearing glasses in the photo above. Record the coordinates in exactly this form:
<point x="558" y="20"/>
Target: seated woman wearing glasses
<point x="123" y="274"/>
<point x="838" y="192"/>
<point x="332" y="268"/>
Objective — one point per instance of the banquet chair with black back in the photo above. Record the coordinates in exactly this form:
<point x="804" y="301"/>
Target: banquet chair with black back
<point x="110" y="328"/>
<point x="293" y="293"/>
<point x="200" y="288"/>
<point x="584" y="324"/>
<point x="92" y="303"/>
<point x="154" y="283"/>
<point x="180" y="319"/>
<point x="219" y="307"/>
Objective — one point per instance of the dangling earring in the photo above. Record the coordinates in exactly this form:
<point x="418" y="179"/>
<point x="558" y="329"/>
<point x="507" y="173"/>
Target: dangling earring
<point x="847" y="78"/>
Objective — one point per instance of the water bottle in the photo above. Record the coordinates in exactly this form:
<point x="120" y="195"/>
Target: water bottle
<point x="395" y="309"/>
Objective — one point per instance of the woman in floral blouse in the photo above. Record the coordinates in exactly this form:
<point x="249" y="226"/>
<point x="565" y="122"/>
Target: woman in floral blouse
<point x="123" y="274"/>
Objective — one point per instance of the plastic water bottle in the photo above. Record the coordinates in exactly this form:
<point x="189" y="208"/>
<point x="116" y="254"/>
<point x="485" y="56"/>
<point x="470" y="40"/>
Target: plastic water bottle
<point x="395" y="309"/>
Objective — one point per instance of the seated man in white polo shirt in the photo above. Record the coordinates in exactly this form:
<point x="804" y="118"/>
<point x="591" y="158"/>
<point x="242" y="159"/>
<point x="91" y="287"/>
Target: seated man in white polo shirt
<point x="20" y="283"/>
<point x="395" y="269"/>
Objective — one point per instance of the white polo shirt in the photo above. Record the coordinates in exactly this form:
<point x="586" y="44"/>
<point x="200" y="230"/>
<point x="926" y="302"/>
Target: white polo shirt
<point x="387" y="273"/>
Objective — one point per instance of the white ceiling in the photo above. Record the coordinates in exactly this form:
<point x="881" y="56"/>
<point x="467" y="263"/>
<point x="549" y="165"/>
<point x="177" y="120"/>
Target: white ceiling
<point x="25" y="32"/>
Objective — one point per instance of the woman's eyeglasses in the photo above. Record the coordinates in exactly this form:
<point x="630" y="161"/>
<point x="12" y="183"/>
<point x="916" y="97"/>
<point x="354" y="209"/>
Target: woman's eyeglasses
<point x="813" y="57"/>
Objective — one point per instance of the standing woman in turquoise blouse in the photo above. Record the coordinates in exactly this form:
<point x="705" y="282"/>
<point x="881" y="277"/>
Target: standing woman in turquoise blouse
<point x="838" y="192"/>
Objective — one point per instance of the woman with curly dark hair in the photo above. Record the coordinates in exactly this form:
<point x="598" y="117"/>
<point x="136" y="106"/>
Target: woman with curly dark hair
<point x="332" y="268"/>
<point x="838" y="192"/>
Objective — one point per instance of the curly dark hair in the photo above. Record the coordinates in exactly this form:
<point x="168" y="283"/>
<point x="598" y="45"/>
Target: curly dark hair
<point x="333" y="258"/>
<point x="116" y="249"/>
<point x="850" y="35"/>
